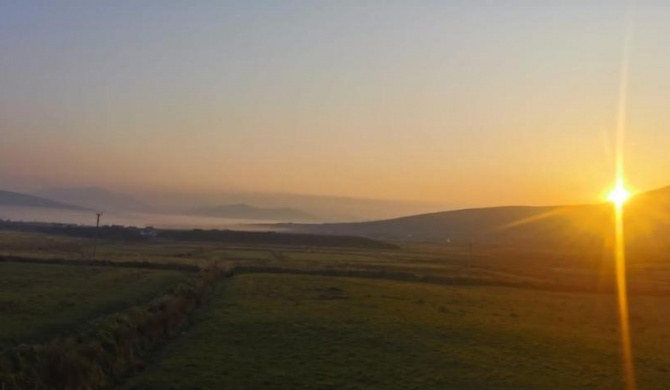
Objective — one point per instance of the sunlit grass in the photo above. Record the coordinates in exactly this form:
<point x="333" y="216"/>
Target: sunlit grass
<point x="309" y="332"/>
<point x="618" y="196"/>
<point x="38" y="301"/>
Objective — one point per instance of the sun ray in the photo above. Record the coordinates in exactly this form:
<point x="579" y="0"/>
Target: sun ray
<point x="618" y="197"/>
<point x="622" y="292"/>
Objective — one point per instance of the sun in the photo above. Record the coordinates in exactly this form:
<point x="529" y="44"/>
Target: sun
<point x="619" y="194"/>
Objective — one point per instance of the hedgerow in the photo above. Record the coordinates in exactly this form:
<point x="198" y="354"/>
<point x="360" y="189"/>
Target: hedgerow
<point x="107" y="349"/>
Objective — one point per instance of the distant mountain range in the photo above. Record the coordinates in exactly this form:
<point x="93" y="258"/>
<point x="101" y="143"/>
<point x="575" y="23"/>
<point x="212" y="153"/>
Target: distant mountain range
<point x="245" y="211"/>
<point x="99" y="199"/>
<point x="95" y="198"/>
<point x="15" y="199"/>
<point x="327" y="208"/>
<point x="647" y="221"/>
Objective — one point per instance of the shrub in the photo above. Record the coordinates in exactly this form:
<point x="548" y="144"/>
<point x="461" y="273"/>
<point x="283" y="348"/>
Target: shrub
<point x="108" y="348"/>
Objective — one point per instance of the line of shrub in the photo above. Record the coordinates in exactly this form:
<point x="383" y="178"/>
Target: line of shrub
<point x="102" y="263"/>
<point x="379" y="274"/>
<point x="109" y="348"/>
<point x="402" y="276"/>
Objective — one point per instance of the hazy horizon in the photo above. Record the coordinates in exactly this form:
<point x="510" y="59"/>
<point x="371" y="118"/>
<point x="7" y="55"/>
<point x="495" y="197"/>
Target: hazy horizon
<point x="152" y="206"/>
<point x="462" y="103"/>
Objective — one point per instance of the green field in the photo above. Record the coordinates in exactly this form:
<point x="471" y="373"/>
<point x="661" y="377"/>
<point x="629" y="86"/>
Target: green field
<point x="38" y="301"/>
<point x="37" y="245"/>
<point x="422" y="316"/>
<point x="287" y="331"/>
<point x="554" y="268"/>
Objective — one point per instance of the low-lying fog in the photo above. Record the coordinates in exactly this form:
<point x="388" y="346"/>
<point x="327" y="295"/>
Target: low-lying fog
<point x="166" y="221"/>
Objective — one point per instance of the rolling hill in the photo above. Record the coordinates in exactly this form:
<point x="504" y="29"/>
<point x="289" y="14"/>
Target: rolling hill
<point x="647" y="221"/>
<point x="16" y="199"/>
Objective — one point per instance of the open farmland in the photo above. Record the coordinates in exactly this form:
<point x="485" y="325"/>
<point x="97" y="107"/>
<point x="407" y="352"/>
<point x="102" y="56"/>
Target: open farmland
<point x="299" y="316"/>
<point x="39" y="245"/>
<point x="288" y="331"/>
<point x="38" y="301"/>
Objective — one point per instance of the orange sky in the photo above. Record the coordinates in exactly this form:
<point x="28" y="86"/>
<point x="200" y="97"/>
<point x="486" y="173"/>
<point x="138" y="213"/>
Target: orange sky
<point x="466" y="103"/>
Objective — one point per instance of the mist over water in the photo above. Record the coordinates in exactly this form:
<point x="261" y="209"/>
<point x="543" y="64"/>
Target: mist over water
<point x="157" y="220"/>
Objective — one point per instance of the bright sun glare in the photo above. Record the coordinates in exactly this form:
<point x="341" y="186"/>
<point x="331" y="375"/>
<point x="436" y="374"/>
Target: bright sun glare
<point x="619" y="194"/>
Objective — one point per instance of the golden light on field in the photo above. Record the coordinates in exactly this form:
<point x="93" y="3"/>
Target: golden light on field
<point x="618" y="196"/>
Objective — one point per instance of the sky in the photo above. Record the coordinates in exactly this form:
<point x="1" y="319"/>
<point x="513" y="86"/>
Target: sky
<point x="473" y="103"/>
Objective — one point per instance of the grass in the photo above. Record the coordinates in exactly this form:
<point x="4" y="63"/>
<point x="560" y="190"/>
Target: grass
<point x="567" y="268"/>
<point x="39" y="245"/>
<point x="244" y="254"/>
<point x="310" y="332"/>
<point x="557" y="329"/>
<point x="38" y="301"/>
<point x="106" y="350"/>
<point x="333" y="258"/>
